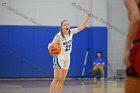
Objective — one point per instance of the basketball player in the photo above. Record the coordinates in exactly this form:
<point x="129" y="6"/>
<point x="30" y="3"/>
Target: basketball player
<point x="62" y="61"/>
<point x="132" y="47"/>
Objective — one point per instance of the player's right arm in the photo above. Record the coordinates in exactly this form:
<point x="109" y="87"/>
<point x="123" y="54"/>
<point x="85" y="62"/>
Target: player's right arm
<point x="55" y="40"/>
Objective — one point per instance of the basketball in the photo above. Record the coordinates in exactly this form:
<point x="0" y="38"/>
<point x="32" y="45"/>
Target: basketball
<point x="54" y="49"/>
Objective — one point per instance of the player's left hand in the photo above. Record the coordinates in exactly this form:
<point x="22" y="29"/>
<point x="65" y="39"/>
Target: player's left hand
<point x="89" y="15"/>
<point x="126" y="58"/>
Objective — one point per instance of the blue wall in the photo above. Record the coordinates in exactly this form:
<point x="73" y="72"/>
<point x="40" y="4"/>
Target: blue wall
<point x="97" y="42"/>
<point x="23" y="50"/>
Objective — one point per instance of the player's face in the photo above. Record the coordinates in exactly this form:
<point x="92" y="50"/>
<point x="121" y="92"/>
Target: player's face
<point x="65" y="26"/>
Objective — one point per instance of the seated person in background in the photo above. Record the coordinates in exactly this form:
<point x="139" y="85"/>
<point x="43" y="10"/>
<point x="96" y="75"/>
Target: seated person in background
<point x="98" y="64"/>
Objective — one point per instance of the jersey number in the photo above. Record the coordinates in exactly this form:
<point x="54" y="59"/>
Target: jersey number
<point x="68" y="47"/>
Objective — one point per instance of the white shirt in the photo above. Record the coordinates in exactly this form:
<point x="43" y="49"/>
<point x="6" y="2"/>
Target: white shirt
<point x="65" y="43"/>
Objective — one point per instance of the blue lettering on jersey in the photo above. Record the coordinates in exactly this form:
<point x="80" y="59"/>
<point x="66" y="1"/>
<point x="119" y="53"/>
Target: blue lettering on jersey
<point x="67" y="42"/>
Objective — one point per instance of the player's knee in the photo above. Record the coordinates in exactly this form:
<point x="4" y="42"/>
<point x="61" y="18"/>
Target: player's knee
<point x="61" y="81"/>
<point x="56" y="80"/>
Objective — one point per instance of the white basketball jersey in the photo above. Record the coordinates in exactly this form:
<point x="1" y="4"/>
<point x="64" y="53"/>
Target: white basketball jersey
<point x="65" y="43"/>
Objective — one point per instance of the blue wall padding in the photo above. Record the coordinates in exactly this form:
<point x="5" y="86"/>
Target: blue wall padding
<point x="24" y="53"/>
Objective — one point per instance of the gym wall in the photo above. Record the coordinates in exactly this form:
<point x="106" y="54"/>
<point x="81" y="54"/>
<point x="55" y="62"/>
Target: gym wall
<point x="27" y="27"/>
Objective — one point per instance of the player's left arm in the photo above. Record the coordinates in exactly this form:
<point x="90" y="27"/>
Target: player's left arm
<point x="134" y="18"/>
<point x="84" y="25"/>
